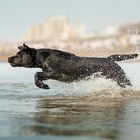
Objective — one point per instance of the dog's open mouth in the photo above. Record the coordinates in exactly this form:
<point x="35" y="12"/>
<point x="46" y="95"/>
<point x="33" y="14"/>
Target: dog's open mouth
<point x="13" y="64"/>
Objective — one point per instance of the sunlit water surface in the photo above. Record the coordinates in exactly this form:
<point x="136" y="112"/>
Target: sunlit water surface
<point x="94" y="108"/>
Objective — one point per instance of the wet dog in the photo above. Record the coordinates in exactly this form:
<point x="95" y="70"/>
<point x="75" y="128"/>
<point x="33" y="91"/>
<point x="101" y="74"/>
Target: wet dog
<point x="67" y="67"/>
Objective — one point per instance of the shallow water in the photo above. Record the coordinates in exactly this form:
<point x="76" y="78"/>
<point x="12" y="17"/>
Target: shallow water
<point x="94" y="108"/>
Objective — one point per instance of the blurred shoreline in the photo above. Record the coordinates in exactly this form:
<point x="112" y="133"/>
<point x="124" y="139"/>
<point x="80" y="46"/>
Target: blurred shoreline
<point x="80" y="48"/>
<point x="60" y="33"/>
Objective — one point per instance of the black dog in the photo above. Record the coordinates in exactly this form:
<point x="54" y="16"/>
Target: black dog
<point x="67" y="67"/>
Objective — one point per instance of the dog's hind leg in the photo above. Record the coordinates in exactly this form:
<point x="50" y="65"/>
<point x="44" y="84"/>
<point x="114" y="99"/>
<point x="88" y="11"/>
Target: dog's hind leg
<point x="116" y="73"/>
<point x="39" y="77"/>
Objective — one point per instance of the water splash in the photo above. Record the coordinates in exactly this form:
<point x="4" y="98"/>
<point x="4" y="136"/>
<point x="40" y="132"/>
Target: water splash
<point x="92" y="86"/>
<point x="102" y="87"/>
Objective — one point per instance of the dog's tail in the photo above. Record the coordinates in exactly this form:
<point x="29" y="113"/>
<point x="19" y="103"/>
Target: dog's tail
<point x="121" y="57"/>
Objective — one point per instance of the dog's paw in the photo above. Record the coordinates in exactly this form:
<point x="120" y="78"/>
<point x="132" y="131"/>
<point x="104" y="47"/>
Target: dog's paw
<point x="44" y="86"/>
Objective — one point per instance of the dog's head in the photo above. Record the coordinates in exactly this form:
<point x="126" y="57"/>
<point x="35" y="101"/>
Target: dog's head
<point x="24" y="58"/>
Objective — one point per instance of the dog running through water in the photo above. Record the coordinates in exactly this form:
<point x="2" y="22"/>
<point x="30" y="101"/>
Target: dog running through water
<point x="67" y="67"/>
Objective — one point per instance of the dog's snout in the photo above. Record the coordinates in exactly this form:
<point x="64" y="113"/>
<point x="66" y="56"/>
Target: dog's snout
<point x="10" y="59"/>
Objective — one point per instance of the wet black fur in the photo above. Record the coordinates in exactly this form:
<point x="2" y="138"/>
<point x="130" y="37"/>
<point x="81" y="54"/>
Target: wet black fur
<point x="67" y="67"/>
<point x="122" y="57"/>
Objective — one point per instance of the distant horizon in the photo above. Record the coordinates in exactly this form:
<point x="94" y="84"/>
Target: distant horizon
<point x="16" y="16"/>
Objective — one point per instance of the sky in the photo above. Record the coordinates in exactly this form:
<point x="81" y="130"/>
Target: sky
<point x="17" y="15"/>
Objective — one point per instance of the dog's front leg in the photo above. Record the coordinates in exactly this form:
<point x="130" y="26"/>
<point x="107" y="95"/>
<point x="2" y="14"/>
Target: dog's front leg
<point x="39" y="77"/>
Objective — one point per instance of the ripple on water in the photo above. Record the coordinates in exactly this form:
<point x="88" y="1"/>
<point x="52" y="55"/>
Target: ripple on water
<point x="64" y="110"/>
<point x="97" y="88"/>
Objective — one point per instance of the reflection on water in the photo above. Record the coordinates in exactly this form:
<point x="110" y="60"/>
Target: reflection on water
<point x="80" y="116"/>
<point x="32" y="113"/>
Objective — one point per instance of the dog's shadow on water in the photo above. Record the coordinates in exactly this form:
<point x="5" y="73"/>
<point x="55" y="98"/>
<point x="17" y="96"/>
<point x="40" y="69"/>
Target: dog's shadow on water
<point x="78" y="116"/>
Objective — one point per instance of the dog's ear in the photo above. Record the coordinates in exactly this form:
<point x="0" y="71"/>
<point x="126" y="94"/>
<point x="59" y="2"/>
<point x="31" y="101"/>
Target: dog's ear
<point x="23" y="47"/>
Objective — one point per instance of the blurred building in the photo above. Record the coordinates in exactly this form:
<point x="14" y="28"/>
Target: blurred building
<point x="130" y="28"/>
<point x="125" y="29"/>
<point x="55" y="28"/>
